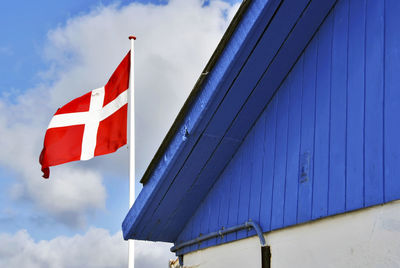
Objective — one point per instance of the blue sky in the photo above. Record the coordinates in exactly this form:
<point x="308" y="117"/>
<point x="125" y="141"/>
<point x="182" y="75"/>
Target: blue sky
<point x="24" y="31"/>
<point x="54" y="51"/>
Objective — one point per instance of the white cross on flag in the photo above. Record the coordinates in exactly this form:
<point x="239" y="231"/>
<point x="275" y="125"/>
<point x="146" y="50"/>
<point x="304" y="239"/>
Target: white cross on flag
<point x="91" y="125"/>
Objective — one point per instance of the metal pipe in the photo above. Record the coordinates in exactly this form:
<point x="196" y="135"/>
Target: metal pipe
<point x="222" y="232"/>
<point x="259" y="232"/>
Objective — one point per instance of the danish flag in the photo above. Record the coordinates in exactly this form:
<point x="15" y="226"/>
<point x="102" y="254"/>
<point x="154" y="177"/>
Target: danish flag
<point x="91" y="125"/>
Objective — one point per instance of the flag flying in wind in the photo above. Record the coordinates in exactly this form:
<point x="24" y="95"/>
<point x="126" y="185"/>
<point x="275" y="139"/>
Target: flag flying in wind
<point x="91" y="125"/>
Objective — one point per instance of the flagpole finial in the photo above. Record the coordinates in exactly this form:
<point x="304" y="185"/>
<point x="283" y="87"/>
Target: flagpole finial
<point x="132" y="37"/>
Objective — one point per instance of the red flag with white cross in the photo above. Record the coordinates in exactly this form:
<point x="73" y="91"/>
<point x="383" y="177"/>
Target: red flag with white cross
<point x="91" y="125"/>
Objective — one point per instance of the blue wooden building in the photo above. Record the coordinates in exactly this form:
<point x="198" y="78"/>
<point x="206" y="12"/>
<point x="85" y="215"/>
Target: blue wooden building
<point x="295" y="118"/>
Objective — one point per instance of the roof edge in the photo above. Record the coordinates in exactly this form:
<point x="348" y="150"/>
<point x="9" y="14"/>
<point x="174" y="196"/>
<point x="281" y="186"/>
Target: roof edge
<point x="229" y="49"/>
<point x="195" y="91"/>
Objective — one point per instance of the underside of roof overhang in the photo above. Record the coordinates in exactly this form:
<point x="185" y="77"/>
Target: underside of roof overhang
<point x="253" y="59"/>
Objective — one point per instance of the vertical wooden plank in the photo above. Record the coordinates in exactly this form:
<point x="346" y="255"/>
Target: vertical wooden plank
<point x="188" y="233"/>
<point x="197" y="221"/>
<point x="214" y="199"/>
<point x="268" y="166"/>
<point x="278" y="197"/>
<point x="245" y="182"/>
<point x="225" y="192"/>
<point x="293" y="144"/>
<point x="322" y="115"/>
<point x="194" y="232"/>
<point x="374" y="82"/>
<point x="305" y="174"/>
<point x="392" y="100"/>
<point x="355" y="106"/>
<point x="205" y="221"/>
<point x="258" y="157"/>
<point x="337" y="151"/>
<point x="234" y="196"/>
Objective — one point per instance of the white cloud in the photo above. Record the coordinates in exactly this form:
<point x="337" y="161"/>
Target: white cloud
<point x="174" y="43"/>
<point x="96" y="248"/>
<point x="72" y="194"/>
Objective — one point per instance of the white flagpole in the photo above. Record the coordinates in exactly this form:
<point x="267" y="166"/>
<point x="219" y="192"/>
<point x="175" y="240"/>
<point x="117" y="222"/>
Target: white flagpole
<point x="131" y="116"/>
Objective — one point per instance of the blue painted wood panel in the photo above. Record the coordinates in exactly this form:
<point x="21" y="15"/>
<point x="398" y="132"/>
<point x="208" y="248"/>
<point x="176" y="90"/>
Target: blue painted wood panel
<point x="328" y="141"/>
<point x="268" y="165"/>
<point x="279" y="177"/>
<point x="355" y="100"/>
<point x="391" y="100"/>
<point x="293" y="146"/>
<point x="337" y="144"/>
<point x="374" y="90"/>
<point x="320" y="158"/>
<point x="307" y="65"/>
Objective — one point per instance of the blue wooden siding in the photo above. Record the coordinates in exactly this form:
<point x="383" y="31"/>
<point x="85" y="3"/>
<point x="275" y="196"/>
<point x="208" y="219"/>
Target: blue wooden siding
<point x="328" y="141"/>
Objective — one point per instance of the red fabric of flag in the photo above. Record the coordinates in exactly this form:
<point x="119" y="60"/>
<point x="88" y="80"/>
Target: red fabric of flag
<point x="91" y="125"/>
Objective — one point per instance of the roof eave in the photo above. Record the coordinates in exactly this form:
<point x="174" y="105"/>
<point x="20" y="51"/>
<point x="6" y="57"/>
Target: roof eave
<point x="193" y="96"/>
<point x="191" y="115"/>
<point x="156" y="214"/>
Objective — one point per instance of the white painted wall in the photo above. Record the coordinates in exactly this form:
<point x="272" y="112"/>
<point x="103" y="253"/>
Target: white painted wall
<point x="365" y="238"/>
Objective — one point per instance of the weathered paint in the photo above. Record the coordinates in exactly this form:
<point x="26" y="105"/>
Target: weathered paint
<point x="366" y="238"/>
<point x="328" y="139"/>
